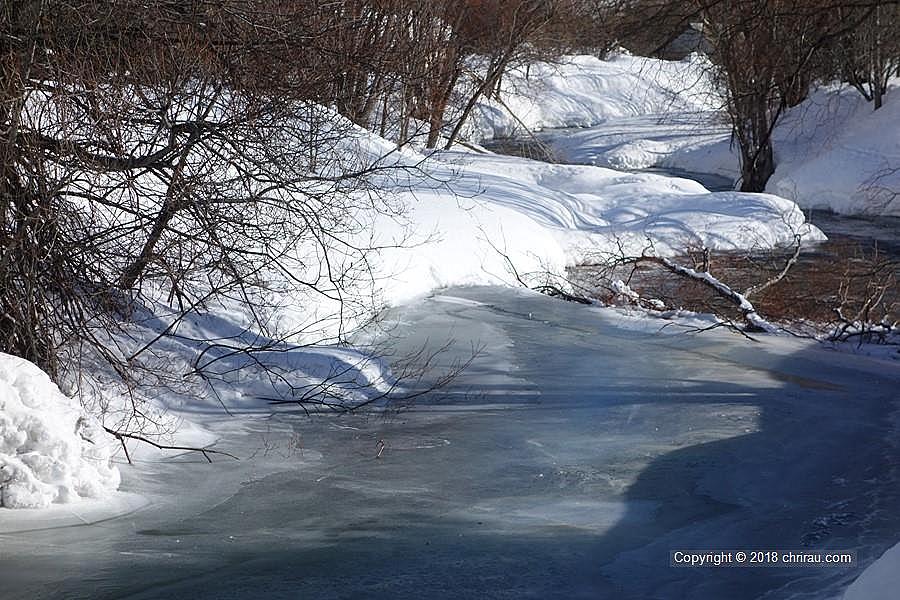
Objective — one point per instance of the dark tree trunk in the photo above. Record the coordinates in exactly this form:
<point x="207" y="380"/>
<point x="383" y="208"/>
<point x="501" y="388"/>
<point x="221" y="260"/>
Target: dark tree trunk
<point x="756" y="169"/>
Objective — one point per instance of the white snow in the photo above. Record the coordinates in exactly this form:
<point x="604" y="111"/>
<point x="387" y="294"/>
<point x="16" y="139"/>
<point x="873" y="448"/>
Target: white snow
<point x="50" y="451"/>
<point x="832" y="151"/>
<point x="582" y="91"/>
<point x="466" y="218"/>
<point x="545" y="217"/>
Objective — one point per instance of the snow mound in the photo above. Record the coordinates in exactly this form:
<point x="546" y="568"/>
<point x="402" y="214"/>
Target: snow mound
<point x="50" y="451"/>
<point x="589" y="210"/>
<point x="582" y="91"/>
<point x="502" y="220"/>
<point x="836" y="152"/>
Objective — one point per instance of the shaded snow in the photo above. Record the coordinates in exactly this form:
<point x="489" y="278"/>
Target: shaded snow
<point x="835" y="152"/>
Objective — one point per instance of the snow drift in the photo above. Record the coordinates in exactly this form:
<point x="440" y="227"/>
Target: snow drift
<point x="50" y="451"/>
<point x="501" y="218"/>
<point x="583" y="91"/>
<point x="833" y="151"/>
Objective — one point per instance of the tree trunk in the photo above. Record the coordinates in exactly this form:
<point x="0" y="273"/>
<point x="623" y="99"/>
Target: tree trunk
<point x="131" y="273"/>
<point x="439" y="103"/>
<point x="757" y="168"/>
<point x="491" y="78"/>
<point x="877" y="61"/>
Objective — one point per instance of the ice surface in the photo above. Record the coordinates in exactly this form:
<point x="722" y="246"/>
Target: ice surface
<point x="880" y="581"/>
<point x="579" y="449"/>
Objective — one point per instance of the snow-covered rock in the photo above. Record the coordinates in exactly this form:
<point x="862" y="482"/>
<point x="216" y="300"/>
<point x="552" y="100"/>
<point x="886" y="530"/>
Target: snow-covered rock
<point x="50" y="450"/>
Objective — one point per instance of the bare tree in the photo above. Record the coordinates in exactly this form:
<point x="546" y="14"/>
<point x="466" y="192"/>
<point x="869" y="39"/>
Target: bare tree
<point x="869" y="55"/>
<point x="498" y="33"/>
<point x="183" y="154"/>
<point x="767" y="54"/>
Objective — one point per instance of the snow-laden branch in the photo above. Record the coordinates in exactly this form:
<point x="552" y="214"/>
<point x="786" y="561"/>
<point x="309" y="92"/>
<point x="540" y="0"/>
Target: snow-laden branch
<point x="755" y="289"/>
<point x="755" y="321"/>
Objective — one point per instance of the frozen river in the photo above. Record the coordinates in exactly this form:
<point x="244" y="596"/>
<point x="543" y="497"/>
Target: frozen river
<point x="579" y="449"/>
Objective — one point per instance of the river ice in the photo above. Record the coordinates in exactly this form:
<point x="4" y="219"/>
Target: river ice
<point x="567" y="462"/>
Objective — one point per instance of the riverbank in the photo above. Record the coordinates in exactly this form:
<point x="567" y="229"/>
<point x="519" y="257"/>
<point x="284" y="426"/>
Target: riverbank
<point x="832" y="151"/>
<point x="856" y="269"/>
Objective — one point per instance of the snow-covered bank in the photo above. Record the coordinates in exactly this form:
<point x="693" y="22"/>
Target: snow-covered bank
<point x="545" y="217"/>
<point x="833" y="151"/>
<point x="471" y="218"/>
<point x="582" y="91"/>
<point x="50" y="451"/>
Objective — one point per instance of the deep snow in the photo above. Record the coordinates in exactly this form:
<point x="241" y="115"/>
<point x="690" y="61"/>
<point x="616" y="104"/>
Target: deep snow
<point x="832" y="151"/>
<point x="545" y="217"/>
<point x="51" y="451"/>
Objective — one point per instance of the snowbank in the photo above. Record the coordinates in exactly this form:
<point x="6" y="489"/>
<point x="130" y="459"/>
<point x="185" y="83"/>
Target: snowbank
<point x="691" y="142"/>
<point x="880" y="581"/>
<point x="582" y="91"/>
<point x="833" y="151"/>
<point x="500" y="217"/>
<point x="50" y="451"/>
<point x="486" y="219"/>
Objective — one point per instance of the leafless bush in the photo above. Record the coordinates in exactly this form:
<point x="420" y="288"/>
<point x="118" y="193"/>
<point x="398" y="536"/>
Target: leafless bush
<point x="185" y="156"/>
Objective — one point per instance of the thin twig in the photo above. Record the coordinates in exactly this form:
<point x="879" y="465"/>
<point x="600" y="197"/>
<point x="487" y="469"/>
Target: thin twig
<point x="121" y="436"/>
